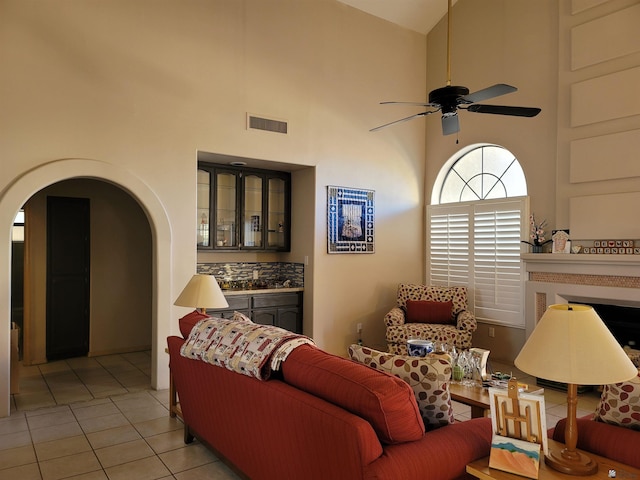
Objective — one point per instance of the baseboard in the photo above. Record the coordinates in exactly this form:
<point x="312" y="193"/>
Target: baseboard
<point x="118" y="351"/>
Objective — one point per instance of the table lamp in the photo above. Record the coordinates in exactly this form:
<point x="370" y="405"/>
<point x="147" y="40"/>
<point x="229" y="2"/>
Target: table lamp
<point x="202" y="292"/>
<point x="572" y="345"/>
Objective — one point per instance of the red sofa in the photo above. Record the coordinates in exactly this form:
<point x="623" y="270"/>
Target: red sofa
<point x="611" y="441"/>
<point x="286" y="428"/>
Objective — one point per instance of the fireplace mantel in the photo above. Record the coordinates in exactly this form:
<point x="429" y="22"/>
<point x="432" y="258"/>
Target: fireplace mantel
<point x="581" y="278"/>
<point x="623" y="265"/>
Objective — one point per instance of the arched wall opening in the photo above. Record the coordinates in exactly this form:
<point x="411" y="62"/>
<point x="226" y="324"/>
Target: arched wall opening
<point x="29" y="183"/>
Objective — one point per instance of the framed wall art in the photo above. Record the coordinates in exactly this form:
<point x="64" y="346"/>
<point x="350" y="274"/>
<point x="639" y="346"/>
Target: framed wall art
<point x="350" y="220"/>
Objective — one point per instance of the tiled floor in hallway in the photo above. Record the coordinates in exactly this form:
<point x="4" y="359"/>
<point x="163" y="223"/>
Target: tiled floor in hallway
<point x="97" y="419"/>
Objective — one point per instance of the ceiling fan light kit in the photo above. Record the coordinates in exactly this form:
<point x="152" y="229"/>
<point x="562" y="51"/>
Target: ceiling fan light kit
<point x="449" y="99"/>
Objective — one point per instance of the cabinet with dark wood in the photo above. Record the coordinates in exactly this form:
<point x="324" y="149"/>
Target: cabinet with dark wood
<point x="283" y="310"/>
<point x="243" y="208"/>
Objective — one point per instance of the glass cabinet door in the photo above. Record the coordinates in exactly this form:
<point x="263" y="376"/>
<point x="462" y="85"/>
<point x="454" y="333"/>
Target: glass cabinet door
<point x="226" y="210"/>
<point x="203" y="198"/>
<point x="276" y="214"/>
<point x="243" y="209"/>
<point x="253" y="211"/>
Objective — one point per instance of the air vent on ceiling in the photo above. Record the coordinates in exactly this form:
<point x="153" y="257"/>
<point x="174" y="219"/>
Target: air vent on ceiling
<point x="267" y="124"/>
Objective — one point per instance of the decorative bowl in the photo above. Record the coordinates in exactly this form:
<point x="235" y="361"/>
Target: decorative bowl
<point x="417" y="347"/>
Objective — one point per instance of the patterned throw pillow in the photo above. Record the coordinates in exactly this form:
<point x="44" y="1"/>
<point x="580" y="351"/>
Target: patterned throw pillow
<point x="428" y="377"/>
<point x="620" y="404"/>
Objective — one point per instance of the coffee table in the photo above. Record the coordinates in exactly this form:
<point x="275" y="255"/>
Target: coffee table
<point x="480" y="469"/>
<point x="477" y="397"/>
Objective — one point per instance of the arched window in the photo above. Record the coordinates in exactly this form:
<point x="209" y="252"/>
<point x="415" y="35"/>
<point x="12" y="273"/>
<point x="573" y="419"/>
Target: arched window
<point x="479" y="172"/>
<point x="475" y="224"/>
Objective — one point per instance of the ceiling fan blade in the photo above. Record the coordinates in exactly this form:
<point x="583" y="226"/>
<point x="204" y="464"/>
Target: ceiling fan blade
<point x="417" y="104"/>
<point x="487" y="93"/>
<point x="504" y="110"/>
<point x="421" y="114"/>
<point x="450" y="124"/>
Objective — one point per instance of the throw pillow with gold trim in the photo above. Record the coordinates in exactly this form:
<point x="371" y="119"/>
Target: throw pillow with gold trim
<point x="620" y="404"/>
<point x="428" y="377"/>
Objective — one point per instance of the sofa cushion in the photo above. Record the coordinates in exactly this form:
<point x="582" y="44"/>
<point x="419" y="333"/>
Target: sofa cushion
<point x="189" y="321"/>
<point x="428" y="376"/>
<point x="620" y="404"/>
<point x="385" y="401"/>
<point x="428" y="311"/>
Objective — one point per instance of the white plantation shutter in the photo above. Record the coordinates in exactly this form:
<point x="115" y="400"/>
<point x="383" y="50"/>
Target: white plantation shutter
<point x="478" y="245"/>
<point x="449" y="240"/>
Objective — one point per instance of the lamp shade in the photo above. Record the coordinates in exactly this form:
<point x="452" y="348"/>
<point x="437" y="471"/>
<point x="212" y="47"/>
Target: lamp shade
<point x="202" y="292"/>
<point x="571" y="344"/>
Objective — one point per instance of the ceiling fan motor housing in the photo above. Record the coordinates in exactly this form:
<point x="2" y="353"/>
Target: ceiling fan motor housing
<point x="448" y="97"/>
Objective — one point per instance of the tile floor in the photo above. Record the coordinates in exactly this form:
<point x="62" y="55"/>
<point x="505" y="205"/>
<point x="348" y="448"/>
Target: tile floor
<point x="97" y="419"/>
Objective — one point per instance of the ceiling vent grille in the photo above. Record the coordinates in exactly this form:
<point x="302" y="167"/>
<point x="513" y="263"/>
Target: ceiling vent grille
<point x="267" y="124"/>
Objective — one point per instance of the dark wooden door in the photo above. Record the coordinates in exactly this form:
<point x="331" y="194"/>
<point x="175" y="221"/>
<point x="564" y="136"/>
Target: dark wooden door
<point x="67" y="277"/>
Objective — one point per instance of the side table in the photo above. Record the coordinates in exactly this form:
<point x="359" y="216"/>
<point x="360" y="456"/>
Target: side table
<point x="480" y="469"/>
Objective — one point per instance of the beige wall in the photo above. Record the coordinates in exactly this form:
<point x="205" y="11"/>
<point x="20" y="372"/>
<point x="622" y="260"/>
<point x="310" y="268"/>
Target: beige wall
<point x="516" y="43"/>
<point x="138" y="90"/>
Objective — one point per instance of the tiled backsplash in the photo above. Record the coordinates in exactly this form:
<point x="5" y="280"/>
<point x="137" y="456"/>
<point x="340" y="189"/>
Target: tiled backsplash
<point x="268" y="272"/>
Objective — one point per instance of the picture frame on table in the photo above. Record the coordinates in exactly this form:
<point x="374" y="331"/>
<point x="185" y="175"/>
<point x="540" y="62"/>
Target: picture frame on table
<point x="519" y="426"/>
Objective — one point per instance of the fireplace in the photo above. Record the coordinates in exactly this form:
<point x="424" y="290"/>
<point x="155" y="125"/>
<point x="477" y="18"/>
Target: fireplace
<point x="609" y="282"/>
<point x="623" y="322"/>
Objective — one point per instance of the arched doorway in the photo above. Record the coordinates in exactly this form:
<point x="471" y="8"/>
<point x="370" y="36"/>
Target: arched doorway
<point x="25" y="186"/>
<point x="102" y="304"/>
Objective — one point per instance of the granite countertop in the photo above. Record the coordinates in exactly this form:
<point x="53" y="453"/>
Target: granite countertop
<point x="260" y="291"/>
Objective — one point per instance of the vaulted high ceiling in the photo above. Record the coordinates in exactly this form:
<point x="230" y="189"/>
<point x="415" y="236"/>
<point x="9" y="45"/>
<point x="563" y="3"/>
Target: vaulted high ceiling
<point x="418" y="15"/>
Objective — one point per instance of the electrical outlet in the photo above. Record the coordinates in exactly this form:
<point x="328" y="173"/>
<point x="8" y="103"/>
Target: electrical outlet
<point x="359" y="328"/>
<point x="492" y="332"/>
<point x="256" y="274"/>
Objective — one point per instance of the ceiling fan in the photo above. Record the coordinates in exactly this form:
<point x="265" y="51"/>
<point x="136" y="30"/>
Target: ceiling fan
<point x="449" y="99"/>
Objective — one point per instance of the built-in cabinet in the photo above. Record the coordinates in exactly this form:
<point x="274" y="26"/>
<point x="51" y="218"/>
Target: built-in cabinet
<point x="282" y="310"/>
<point x="243" y="209"/>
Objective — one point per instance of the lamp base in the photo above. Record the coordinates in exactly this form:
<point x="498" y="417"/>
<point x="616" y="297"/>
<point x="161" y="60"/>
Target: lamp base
<point x="571" y="463"/>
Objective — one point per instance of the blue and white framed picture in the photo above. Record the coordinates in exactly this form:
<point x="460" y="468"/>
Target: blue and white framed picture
<point x="350" y="220"/>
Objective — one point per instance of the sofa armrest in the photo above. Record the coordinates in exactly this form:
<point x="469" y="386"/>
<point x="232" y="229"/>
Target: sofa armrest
<point x="466" y="321"/>
<point x="617" y="443"/>
<point x="442" y="453"/>
<point x="394" y="317"/>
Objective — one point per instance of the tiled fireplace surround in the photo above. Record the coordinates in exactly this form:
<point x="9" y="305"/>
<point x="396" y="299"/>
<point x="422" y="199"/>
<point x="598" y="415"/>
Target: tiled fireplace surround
<point x="580" y="278"/>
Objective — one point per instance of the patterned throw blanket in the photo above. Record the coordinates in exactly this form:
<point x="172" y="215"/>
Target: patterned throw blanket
<point x="241" y="346"/>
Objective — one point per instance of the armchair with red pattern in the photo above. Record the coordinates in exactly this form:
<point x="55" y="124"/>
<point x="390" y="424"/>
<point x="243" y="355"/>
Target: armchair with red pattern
<point x="431" y="313"/>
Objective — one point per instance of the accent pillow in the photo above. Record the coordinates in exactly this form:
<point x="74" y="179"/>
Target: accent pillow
<point x="620" y="404"/>
<point x="428" y="311"/>
<point x="428" y="376"/>
<point x="385" y="401"/>
<point x="189" y="321"/>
